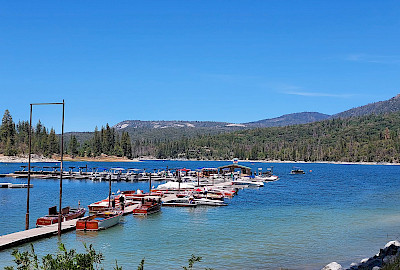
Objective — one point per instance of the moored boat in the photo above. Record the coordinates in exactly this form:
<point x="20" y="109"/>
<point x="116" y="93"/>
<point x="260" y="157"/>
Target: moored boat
<point x="148" y="206"/>
<point x="67" y="213"/>
<point x="99" y="221"/>
<point x="297" y="170"/>
<point x="180" y="202"/>
<point x="209" y="202"/>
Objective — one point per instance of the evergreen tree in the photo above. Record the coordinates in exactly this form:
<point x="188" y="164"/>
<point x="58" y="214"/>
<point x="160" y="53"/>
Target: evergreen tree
<point x="126" y="145"/>
<point x="7" y="134"/>
<point x="73" y="146"/>
<point x="96" y="144"/>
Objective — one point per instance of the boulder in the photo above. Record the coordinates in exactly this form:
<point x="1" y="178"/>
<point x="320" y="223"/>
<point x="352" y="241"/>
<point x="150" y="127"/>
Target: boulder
<point x="333" y="266"/>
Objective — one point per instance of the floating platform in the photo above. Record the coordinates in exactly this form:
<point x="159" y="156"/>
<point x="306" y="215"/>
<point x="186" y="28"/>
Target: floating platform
<point x="19" y="238"/>
<point x="12" y="185"/>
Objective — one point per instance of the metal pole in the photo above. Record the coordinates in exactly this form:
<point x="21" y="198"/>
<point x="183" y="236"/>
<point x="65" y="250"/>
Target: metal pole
<point x="29" y="172"/>
<point x="179" y="181"/>
<point x="109" y="192"/>
<point x="61" y="170"/>
<point x="150" y="184"/>
<point x="198" y="178"/>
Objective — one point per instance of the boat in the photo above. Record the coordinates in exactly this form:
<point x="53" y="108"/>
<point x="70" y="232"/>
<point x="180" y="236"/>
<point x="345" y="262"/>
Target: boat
<point x="209" y="202"/>
<point x="180" y="202"/>
<point x="11" y="185"/>
<point x="148" y="206"/>
<point x="67" y="213"/>
<point x="247" y="181"/>
<point x="297" y="170"/>
<point x="106" y="204"/>
<point x="100" y="221"/>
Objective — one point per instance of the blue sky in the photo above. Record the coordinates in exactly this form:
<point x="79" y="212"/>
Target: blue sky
<point x="234" y="61"/>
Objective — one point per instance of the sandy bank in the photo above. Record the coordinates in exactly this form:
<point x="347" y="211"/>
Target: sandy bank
<point x="24" y="159"/>
<point x="57" y="158"/>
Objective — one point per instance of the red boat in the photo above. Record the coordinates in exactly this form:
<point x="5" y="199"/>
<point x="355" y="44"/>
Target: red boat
<point x="99" y="221"/>
<point x="67" y="213"/>
<point x="148" y="206"/>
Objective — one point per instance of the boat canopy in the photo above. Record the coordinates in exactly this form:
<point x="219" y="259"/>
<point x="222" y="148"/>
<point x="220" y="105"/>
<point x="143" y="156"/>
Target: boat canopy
<point x="232" y="167"/>
<point x="175" y="185"/>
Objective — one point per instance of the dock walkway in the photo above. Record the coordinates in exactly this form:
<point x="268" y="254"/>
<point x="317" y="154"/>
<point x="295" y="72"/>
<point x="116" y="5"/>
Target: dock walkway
<point x="22" y="237"/>
<point x="18" y="238"/>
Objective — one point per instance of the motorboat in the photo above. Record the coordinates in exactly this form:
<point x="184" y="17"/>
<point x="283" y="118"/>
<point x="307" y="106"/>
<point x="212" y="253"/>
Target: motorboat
<point x="100" y="221"/>
<point x="147" y="206"/>
<point x="181" y="202"/>
<point x="248" y="181"/>
<point x="67" y="213"/>
<point x="297" y="170"/>
<point x="209" y="202"/>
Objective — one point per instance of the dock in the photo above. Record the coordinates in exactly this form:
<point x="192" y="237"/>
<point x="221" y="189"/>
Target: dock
<point x="18" y="238"/>
<point x="22" y="237"/>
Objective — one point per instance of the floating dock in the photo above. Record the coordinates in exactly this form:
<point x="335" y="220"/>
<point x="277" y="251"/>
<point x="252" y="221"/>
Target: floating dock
<point x="22" y="237"/>
<point x="19" y="238"/>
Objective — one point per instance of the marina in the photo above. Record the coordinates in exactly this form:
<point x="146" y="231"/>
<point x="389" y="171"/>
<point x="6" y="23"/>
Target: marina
<point x="262" y="219"/>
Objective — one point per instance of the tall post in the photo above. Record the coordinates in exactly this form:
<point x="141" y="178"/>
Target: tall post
<point x="61" y="170"/>
<point x="29" y="172"/>
<point x="109" y="192"/>
<point x="179" y="181"/>
<point x="198" y="178"/>
<point x="150" y="184"/>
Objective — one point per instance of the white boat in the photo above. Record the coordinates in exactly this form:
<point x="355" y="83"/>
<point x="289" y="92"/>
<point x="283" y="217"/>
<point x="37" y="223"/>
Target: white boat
<point x="180" y="202"/>
<point x="249" y="182"/>
<point x="99" y="221"/>
<point x="269" y="178"/>
<point x="11" y="185"/>
<point x="209" y="202"/>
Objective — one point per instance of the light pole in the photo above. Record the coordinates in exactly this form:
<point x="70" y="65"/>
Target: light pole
<point x="29" y="164"/>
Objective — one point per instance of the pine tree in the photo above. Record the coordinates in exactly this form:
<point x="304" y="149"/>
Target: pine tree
<point x="73" y="146"/>
<point x="7" y="134"/>
<point x="96" y="144"/>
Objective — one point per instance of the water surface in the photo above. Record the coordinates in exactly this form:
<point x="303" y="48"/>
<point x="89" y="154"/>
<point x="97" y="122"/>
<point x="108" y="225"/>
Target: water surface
<point x="337" y="213"/>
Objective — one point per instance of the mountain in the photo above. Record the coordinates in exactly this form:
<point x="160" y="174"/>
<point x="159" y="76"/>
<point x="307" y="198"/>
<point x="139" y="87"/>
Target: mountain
<point x="381" y="107"/>
<point x="136" y="124"/>
<point x="289" y="119"/>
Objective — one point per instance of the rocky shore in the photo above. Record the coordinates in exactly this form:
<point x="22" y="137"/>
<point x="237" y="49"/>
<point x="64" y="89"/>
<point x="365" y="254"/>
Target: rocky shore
<point x="24" y="159"/>
<point x="387" y="258"/>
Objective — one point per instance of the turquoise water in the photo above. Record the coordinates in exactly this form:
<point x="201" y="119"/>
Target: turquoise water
<point x="337" y="213"/>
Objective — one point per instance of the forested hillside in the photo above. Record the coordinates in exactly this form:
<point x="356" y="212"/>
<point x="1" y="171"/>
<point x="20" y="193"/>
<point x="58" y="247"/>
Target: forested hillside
<point x="373" y="138"/>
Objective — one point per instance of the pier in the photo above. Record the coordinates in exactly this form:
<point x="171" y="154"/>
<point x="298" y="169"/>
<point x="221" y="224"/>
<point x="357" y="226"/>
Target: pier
<point x="22" y="237"/>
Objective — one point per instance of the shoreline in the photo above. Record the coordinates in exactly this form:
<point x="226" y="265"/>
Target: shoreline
<point x="36" y="158"/>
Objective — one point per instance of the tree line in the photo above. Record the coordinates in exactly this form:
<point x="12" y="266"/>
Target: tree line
<point x="372" y="138"/>
<point x="14" y="140"/>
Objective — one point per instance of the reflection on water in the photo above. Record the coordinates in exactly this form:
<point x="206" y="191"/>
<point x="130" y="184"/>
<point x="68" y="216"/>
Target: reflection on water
<point x="334" y="213"/>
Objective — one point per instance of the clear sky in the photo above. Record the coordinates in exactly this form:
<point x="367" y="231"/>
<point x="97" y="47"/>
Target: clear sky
<point x="234" y="61"/>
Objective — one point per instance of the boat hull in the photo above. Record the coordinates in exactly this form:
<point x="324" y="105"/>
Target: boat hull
<point x="52" y="219"/>
<point x="99" y="222"/>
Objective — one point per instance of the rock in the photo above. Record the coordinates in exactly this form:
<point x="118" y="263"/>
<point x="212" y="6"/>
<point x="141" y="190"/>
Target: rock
<point x="364" y="260"/>
<point x="395" y="242"/>
<point x="389" y="259"/>
<point x="376" y="268"/>
<point x="333" y="266"/>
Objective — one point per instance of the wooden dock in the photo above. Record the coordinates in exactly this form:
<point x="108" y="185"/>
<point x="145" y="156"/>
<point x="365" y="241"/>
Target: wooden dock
<point x="19" y="238"/>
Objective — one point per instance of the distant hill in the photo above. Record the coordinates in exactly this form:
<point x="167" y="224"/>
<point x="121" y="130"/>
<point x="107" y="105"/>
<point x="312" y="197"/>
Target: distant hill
<point x="172" y="130"/>
<point x="387" y="106"/>
<point x="136" y="124"/>
<point x="289" y="119"/>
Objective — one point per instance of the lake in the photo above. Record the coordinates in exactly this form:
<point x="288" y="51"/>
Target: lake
<point x="340" y="213"/>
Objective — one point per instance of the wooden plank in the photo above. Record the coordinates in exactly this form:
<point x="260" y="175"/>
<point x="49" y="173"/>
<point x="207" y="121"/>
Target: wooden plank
<point x="18" y="238"/>
<point x="129" y="209"/>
